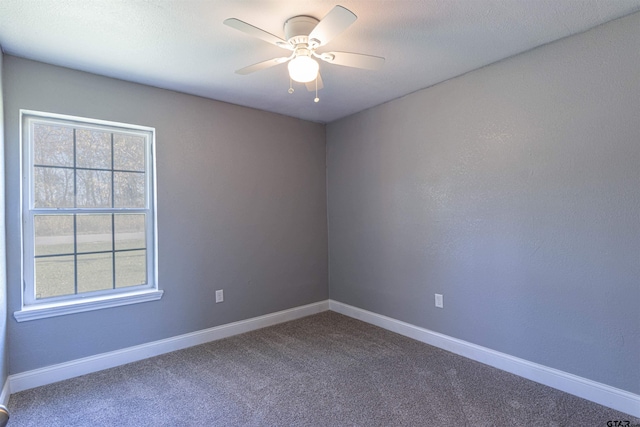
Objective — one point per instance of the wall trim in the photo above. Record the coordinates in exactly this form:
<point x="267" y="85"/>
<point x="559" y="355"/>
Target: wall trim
<point x="602" y="394"/>
<point x="54" y="373"/>
<point x="4" y="395"/>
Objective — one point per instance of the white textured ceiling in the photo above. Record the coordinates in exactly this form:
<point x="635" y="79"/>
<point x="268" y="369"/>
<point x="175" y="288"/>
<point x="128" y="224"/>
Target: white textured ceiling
<point x="183" y="44"/>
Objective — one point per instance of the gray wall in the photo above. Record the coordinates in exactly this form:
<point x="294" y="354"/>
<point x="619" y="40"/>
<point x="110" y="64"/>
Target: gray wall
<point x="513" y="190"/>
<point x="3" y="264"/>
<point x="241" y="207"/>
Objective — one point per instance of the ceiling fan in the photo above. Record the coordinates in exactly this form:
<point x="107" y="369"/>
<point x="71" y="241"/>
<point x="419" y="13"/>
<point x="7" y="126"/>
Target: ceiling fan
<point x="304" y="35"/>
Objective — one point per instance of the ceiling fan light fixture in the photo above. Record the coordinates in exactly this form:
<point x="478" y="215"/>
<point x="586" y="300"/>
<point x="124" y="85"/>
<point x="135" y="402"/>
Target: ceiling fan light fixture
<point x="303" y="69"/>
<point x="303" y="35"/>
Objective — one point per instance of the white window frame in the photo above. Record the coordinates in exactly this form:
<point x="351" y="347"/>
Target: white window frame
<point x="33" y="308"/>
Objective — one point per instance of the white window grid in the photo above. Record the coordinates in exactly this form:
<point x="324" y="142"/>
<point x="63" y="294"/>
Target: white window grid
<point x="29" y="211"/>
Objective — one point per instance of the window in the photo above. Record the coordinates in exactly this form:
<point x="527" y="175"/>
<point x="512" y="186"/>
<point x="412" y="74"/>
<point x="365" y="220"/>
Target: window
<point x="88" y="215"/>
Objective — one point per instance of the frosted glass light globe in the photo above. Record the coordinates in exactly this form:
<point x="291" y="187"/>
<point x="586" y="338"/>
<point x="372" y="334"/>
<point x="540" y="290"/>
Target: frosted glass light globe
<point x="303" y="69"/>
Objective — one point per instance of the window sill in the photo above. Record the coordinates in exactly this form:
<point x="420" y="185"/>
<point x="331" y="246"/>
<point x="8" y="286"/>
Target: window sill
<point x="42" y="311"/>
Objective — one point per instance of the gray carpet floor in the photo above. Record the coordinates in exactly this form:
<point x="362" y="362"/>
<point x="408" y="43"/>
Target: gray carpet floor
<point x="322" y="370"/>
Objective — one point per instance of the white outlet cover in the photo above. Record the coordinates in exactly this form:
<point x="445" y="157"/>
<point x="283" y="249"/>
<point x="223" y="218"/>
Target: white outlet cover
<point x="439" y="301"/>
<point x="219" y="296"/>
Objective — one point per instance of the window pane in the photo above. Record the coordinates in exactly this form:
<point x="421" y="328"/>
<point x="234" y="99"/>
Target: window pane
<point x="129" y="189"/>
<point x="128" y="152"/>
<point x="95" y="272"/>
<point x="131" y="268"/>
<point x="53" y="234"/>
<point x="52" y="187"/>
<point x="52" y="145"/>
<point x="130" y="231"/>
<point x="93" y="149"/>
<point x="94" y="189"/>
<point x="54" y="276"/>
<point x="94" y="233"/>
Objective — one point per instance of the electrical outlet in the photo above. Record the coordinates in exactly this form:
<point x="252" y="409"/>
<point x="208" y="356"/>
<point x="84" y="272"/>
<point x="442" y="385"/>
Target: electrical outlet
<point x="219" y="295"/>
<point x="439" y="301"/>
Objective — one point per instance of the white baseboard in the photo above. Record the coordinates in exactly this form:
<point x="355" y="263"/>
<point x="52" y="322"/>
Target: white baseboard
<point x="4" y="395"/>
<point x="87" y="365"/>
<point x="603" y="394"/>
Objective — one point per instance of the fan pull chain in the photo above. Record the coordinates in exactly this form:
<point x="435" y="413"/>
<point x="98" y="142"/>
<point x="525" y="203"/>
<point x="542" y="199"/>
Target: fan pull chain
<point x="316" y="100"/>
<point x="290" y="85"/>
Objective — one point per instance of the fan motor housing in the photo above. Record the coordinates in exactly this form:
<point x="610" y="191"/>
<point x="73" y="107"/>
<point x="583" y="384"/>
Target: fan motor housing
<point x="298" y="28"/>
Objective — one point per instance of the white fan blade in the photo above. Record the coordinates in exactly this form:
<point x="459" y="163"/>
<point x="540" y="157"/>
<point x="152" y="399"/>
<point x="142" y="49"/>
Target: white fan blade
<point x="262" y="65"/>
<point x="335" y="22"/>
<point x="356" y="60"/>
<point x="257" y="32"/>
<point x="311" y="86"/>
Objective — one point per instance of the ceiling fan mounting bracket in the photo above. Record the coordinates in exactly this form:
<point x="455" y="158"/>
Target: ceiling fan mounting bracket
<point x="314" y="43"/>
<point x="298" y="28"/>
<point x="328" y="57"/>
